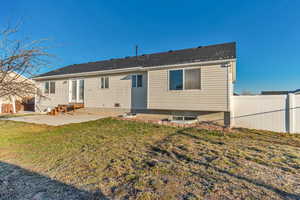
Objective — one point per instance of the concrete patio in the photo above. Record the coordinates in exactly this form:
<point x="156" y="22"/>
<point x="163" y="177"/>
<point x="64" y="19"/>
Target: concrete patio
<point x="58" y="119"/>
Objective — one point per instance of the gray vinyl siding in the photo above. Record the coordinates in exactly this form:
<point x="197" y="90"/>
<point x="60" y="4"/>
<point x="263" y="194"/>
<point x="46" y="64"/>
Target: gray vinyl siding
<point x="119" y="91"/>
<point x="213" y="95"/>
<point x="61" y="95"/>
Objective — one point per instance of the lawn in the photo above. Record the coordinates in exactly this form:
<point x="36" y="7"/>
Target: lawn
<point x="134" y="160"/>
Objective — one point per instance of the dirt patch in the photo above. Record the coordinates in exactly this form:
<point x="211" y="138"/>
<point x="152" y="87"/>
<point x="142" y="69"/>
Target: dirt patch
<point x="162" y="121"/>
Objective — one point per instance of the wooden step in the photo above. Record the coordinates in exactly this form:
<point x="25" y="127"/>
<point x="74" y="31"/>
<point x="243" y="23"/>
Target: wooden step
<point x="63" y="108"/>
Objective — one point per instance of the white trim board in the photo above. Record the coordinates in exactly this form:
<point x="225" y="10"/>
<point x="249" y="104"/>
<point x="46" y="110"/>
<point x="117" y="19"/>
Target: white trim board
<point x="132" y="69"/>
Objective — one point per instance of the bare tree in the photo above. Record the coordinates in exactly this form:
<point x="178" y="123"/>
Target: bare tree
<point x="20" y="58"/>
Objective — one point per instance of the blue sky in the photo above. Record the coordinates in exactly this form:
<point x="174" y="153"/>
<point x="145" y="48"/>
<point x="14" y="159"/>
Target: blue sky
<point x="267" y="32"/>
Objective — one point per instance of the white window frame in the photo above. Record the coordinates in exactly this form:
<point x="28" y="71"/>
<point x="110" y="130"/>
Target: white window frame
<point x="45" y="83"/>
<point x="136" y="80"/>
<point x="183" y="79"/>
<point x="77" y="100"/>
<point x="184" y="117"/>
<point x="49" y="89"/>
<point x="100" y="85"/>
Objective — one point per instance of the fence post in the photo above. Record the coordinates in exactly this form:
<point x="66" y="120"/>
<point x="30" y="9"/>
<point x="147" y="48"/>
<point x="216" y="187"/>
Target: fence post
<point x="291" y="113"/>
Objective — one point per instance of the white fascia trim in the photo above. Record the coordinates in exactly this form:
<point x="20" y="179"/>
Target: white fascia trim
<point x="141" y="68"/>
<point x="192" y="64"/>
<point x="90" y="73"/>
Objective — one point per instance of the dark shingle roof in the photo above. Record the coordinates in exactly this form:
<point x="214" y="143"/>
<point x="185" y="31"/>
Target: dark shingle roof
<point x="204" y="53"/>
<point x="274" y="92"/>
<point x="279" y="92"/>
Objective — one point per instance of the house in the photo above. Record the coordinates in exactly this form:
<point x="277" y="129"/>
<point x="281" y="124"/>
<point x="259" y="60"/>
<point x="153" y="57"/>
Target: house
<point x="280" y="92"/>
<point x="15" y="95"/>
<point x="7" y="104"/>
<point x="190" y="82"/>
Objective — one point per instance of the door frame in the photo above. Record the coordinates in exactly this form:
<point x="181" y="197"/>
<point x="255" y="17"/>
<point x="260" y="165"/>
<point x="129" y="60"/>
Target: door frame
<point x="77" y="90"/>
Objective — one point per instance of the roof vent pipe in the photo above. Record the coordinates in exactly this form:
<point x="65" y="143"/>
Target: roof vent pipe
<point x="136" y="50"/>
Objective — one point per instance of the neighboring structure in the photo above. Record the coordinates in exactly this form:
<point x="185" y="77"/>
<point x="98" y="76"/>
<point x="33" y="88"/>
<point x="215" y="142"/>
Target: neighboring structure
<point x="189" y="82"/>
<point x="13" y="103"/>
<point x="280" y="92"/>
<point x="7" y="104"/>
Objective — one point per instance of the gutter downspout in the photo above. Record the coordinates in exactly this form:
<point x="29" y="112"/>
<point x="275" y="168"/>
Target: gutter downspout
<point x="227" y="114"/>
<point x="227" y="86"/>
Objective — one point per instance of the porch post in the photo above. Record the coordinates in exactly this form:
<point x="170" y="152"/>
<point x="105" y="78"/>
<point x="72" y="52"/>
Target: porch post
<point x="13" y="104"/>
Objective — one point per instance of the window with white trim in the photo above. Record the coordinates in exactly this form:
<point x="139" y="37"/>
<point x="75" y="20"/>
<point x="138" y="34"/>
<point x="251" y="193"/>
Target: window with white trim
<point x="104" y="83"/>
<point x="46" y="90"/>
<point x="176" y="79"/>
<point x="49" y="87"/>
<point x="52" y="87"/>
<point x="137" y="80"/>
<point x="192" y="79"/>
<point x="185" y="79"/>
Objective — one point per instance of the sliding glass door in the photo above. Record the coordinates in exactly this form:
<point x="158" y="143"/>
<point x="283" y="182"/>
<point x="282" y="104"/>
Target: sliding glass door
<point x="76" y="90"/>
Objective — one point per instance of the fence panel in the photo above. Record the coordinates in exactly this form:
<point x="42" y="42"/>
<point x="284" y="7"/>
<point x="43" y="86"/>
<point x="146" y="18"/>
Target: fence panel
<point x="297" y="113"/>
<point x="6" y="108"/>
<point x="267" y="112"/>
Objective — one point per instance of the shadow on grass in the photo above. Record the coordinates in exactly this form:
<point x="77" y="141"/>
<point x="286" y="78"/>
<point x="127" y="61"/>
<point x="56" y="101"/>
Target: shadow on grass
<point x="157" y="148"/>
<point x="6" y="116"/>
<point x="18" y="183"/>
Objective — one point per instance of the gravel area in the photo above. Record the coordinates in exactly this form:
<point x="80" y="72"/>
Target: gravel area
<point x="57" y="120"/>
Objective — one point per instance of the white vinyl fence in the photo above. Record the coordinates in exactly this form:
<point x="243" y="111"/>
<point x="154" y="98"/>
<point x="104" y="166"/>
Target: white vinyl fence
<point x="279" y="113"/>
<point x="297" y="113"/>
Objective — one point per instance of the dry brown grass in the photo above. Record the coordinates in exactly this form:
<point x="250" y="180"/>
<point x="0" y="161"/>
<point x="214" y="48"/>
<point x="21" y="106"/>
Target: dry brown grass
<point x="133" y="160"/>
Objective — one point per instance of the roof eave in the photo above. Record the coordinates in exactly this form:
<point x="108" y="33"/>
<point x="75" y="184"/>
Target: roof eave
<point x="132" y="69"/>
<point x="193" y="63"/>
<point x="92" y="73"/>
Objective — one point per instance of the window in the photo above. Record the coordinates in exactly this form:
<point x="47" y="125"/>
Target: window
<point x="52" y="87"/>
<point x="49" y="87"/>
<point x="178" y="118"/>
<point x="176" y="79"/>
<point x="81" y="89"/>
<point x="133" y="81"/>
<point x="46" y="88"/>
<point x="104" y="82"/>
<point x="192" y="79"/>
<point x="137" y="80"/>
<point x="74" y="90"/>
<point x="184" y="118"/>
<point x="187" y="79"/>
